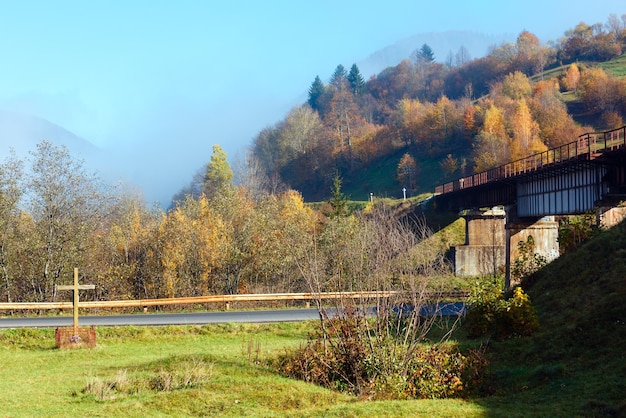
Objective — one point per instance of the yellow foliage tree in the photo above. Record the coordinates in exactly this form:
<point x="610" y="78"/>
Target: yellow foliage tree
<point x="572" y="77"/>
<point x="193" y="240"/>
<point x="525" y="132"/>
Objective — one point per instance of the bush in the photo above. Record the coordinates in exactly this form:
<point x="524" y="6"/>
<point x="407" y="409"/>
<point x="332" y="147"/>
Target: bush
<point x="490" y="314"/>
<point x="379" y="368"/>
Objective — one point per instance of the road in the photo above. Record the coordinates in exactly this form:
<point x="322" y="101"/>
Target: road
<point x="200" y="318"/>
<point x="195" y="318"/>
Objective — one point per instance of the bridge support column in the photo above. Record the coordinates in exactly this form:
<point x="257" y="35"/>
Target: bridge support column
<point x="484" y="249"/>
<point x="608" y="217"/>
<point x="545" y="233"/>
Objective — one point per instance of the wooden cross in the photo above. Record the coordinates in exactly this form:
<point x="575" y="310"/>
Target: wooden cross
<point x="76" y="287"/>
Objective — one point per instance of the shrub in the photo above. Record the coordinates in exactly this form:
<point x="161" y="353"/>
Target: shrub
<point x="490" y="314"/>
<point x="379" y="368"/>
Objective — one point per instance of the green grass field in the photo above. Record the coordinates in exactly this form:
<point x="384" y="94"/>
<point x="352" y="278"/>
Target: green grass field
<point x="36" y="379"/>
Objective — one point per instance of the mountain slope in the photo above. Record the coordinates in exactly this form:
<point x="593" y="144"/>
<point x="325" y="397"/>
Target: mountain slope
<point x="442" y="43"/>
<point x="23" y="132"/>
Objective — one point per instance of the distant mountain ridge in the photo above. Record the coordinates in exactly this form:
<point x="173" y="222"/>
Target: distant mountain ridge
<point x="22" y="132"/>
<point x="442" y="43"/>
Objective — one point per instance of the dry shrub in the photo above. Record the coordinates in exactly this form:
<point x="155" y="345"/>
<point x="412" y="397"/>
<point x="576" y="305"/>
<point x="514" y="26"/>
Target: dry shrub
<point x="383" y="370"/>
<point x="178" y="374"/>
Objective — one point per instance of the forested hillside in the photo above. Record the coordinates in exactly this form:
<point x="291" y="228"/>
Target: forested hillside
<point x="423" y="122"/>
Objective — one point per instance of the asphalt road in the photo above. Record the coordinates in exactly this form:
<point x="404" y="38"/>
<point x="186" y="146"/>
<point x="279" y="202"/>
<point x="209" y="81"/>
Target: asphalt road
<point x="200" y="318"/>
<point x="196" y="318"/>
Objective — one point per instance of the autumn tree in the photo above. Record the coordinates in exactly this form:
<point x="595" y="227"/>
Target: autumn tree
<point x="525" y="133"/>
<point x="131" y="248"/>
<point x="65" y="204"/>
<point x="489" y="151"/>
<point x="601" y="92"/>
<point x="556" y="126"/>
<point x="11" y="191"/>
<point x="571" y="78"/>
<point x="280" y="227"/>
<point x="516" y="86"/>
<point x="409" y="119"/>
<point x="344" y="119"/>
<point x="218" y="176"/>
<point x="193" y="241"/>
<point x="407" y="171"/>
<point x="237" y="212"/>
<point x="462" y="56"/>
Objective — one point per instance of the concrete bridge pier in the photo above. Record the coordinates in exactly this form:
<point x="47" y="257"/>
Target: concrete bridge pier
<point x="544" y="232"/>
<point x="492" y="239"/>
<point x="484" y="249"/>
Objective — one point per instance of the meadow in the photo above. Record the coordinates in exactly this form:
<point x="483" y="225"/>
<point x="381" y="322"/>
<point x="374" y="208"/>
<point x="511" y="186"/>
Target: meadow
<point x="127" y="374"/>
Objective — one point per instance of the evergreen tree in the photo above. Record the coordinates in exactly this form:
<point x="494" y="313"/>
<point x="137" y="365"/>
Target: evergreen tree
<point x="338" y="200"/>
<point x="315" y="93"/>
<point x="424" y="54"/>
<point x="339" y="77"/>
<point x="357" y="83"/>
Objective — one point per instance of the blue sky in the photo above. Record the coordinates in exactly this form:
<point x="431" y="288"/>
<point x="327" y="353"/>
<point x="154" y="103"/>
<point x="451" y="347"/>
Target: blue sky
<point x="162" y="81"/>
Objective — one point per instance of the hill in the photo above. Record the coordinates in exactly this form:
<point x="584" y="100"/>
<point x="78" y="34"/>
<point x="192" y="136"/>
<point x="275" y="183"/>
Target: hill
<point x="452" y="117"/>
<point x="575" y="364"/>
<point x="445" y="43"/>
<point x="23" y="132"/>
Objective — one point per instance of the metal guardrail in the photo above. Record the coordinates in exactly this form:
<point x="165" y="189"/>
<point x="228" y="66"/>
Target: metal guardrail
<point x="588" y="145"/>
<point x="225" y="299"/>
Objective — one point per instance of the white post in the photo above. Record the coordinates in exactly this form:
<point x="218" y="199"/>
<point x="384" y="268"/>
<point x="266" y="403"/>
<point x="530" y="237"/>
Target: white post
<point x="404" y="192"/>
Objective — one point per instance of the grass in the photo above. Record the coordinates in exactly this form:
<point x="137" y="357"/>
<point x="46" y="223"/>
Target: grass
<point x="36" y="379"/>
<point x="380" y="178"/>
<point x="575" y="365"/>
<point x="616" y="66"/>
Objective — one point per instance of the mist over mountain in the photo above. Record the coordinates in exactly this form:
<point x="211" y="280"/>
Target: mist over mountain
<point x="442" y="43"/>
<point x="22" y="132"/>
<point x="160" y="169"/>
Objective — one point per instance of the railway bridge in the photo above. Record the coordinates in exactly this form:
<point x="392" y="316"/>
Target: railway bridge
<point x="506" y="204"/>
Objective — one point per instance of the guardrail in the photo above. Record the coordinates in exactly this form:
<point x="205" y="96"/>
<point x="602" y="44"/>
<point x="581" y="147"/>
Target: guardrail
<point x="587" y="145"/>
<point x="225" y="299"/>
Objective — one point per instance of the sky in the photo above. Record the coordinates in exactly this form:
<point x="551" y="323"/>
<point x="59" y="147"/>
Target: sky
<point x="155" y="84"/>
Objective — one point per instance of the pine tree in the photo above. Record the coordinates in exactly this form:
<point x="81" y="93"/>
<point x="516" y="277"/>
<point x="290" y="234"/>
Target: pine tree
<point x="338" y="200"/>
<point x="357" y="83"/>
<point x="424" y="54"/>
<point x="339" y="77"/>
<point x="315" y="93"/>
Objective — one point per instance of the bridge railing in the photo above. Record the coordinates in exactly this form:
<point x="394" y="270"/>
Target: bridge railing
<point x="588" y="145"/>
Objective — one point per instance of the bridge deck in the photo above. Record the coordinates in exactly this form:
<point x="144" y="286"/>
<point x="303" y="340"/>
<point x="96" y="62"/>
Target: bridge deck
<point x="499" y="185"/>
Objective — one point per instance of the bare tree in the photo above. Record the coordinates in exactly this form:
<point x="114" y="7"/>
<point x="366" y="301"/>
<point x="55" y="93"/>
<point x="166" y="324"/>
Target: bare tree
<point x="387" y="262"/>
<point x="10" y="195"/>
<point x="65" y="204"/>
